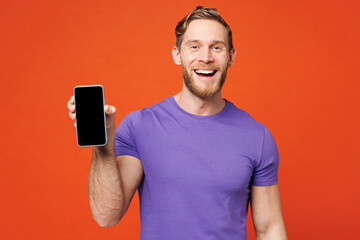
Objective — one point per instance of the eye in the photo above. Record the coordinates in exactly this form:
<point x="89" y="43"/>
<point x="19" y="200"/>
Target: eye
<point x="217" y="48"/>
<point x="194" y="47"/>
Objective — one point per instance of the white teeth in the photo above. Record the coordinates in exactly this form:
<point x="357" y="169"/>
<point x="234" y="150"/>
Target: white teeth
<point x="202" y="71"/>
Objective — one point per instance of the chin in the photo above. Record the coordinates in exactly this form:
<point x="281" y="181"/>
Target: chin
<point x="205" y="92"/>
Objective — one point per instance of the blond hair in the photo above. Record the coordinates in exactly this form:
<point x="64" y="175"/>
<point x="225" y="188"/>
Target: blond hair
<point x="201" y="13"/>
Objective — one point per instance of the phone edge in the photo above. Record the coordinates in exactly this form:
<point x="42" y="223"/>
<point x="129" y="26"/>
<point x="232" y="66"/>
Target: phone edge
<point x="103" y="95"/>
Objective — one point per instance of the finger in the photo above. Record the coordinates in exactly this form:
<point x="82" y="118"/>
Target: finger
<point x="72" y="108"/>
<point x="70" y="102"/>
<point x="109" y="109"/>
<point x="72" y="115"/>
<point x="74" y="124"/>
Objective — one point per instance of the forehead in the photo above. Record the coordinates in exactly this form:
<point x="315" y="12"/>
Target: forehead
<point x="205" y="30"/>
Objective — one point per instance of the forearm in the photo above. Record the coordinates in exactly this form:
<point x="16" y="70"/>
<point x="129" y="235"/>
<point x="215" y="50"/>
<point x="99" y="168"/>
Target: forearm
<point x="267" y="214"/>
<point x="106" y="192"/>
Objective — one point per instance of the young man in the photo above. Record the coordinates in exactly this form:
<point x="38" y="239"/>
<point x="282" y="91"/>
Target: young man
<point x="195" y="158"/>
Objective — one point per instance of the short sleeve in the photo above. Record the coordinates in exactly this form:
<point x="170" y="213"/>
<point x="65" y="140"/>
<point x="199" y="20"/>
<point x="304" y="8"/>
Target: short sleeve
<point x="124" y="139"/>
<point x="266" y="169"/>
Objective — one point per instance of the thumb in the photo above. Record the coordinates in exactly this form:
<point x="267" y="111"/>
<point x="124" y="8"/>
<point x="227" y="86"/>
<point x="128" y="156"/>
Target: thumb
<point x="110" y="110"/>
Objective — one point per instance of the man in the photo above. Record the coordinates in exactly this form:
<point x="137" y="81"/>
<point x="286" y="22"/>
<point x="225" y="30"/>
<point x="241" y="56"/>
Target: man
<point x="195" y="158"/>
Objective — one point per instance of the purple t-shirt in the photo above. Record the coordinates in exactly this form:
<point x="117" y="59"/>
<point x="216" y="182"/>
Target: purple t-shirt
<point x="197" y="169"/>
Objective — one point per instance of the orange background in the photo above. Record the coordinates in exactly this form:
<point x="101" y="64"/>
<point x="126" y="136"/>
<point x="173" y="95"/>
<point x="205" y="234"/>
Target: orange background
<point x="296" y="71"/>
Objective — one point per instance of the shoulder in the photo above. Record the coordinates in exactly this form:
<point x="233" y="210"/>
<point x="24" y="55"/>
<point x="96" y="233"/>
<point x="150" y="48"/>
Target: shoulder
<point x="250" y="128"/>
<point x="147" y="113"/>
<point x="244" y="119"/>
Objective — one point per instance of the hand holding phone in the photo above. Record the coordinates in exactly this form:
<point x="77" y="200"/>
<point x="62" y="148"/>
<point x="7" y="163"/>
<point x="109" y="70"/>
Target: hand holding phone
<point x="90" y="115"/>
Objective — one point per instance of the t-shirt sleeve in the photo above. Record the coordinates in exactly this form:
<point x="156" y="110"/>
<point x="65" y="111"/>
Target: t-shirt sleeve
<point x="125" y="143"/>
<point x="266" y="169"/>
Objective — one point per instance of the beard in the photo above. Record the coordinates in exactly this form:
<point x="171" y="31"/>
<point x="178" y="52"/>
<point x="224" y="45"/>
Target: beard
<point x="203" y="93"/>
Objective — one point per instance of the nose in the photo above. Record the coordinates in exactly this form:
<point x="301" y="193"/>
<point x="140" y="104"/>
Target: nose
<point x="205" y="55"/>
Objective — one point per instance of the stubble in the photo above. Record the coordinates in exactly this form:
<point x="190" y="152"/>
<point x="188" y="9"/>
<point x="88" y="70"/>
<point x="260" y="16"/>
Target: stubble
<point x="203" y="93"/>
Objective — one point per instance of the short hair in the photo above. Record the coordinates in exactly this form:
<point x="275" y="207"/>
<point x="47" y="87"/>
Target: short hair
<point x="201" y="12"/>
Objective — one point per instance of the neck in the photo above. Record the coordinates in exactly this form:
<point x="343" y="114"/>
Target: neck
<point x="198" y="106"/>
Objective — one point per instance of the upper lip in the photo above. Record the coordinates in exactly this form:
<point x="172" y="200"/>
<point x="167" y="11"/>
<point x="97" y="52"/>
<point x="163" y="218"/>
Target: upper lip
<point x="203" y="70"/>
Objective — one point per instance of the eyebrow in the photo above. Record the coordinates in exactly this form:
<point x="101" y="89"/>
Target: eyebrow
<point x="192" y="41"/>
<point x="219" y="42"/>
<point x="212" y="42"/>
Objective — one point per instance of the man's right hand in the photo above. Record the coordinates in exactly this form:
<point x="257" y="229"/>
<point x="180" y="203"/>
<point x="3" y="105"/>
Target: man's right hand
<point x="110" y="112"/>
<point x="112" y="180"/>
<point x="71" y="107"/>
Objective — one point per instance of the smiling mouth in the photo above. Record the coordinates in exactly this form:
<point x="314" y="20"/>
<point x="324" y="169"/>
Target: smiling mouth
<point x="205" y="72"/>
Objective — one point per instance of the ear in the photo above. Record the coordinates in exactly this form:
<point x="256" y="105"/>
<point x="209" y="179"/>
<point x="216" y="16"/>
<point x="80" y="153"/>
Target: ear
<point x="176" y="55"/>
<point x="232" y="57"/>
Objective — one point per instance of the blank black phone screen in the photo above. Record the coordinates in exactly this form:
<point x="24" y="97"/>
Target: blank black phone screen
<point x="90" y="116"/>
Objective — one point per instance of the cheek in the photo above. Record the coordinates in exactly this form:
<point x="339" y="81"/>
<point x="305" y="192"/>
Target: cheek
<point x="223" y="64"/>
<point x="188" y="59"/>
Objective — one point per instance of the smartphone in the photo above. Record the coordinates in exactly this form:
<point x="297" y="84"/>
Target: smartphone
<point x="90" y="115"/>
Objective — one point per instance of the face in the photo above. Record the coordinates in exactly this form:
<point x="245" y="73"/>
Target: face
<point x="204" y="57"/>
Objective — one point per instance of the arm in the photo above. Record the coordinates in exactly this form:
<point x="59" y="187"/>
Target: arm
<point x="112" y="184"/>
<point x="266" y="213"/>
<point x="112" y="180"/>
